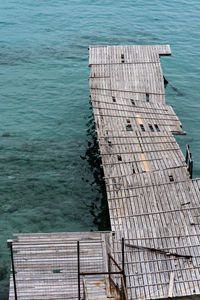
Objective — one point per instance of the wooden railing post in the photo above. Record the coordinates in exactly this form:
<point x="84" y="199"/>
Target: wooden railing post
<point x="79" y="281"/>
<point x="191" y="168"/>
<point x="123" y="262"/>
<point x="109" y="268"/>
<point x="9" y="244"/>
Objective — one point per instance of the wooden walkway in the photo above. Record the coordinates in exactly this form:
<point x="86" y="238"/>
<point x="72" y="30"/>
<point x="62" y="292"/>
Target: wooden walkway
<point x="152" y="201"/>
<point x="46" y="265"/>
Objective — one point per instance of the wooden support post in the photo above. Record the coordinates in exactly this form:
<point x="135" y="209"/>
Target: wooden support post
<point x="187" y="151"/>
<point x="191" y="168"/>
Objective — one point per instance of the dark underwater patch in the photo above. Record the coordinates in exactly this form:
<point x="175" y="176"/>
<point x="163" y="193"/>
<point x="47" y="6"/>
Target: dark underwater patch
<point x="99" y="207"/>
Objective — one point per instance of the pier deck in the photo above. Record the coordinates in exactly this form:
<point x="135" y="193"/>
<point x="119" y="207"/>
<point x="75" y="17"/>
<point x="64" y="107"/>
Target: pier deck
<point x="154" y="203"/>
<point x="46" y="265"/>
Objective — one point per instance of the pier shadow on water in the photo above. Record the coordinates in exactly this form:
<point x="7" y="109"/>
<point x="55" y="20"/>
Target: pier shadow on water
<point x="99" y="207"/>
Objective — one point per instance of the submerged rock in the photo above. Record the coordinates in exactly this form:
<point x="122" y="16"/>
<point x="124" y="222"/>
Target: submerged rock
<point x="3" y="272"/>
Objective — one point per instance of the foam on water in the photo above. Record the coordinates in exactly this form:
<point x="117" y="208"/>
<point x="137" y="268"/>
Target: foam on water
<point x="46" y="182"/>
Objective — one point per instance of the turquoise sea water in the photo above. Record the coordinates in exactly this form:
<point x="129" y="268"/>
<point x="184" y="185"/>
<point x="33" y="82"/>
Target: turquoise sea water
<point x="46" y="184"/>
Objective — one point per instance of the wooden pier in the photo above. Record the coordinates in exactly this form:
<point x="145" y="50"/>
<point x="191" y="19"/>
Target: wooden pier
<point x="153" y="202"/>
<point x="46" y="266"/>
<point x="153" y="251"/>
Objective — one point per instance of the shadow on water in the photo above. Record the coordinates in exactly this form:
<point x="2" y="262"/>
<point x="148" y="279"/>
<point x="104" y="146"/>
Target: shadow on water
<point x="178" y="92"/>
<point x="14" y="57"/>
<point x="99" y="207"/>
<point x="4" y="279"/>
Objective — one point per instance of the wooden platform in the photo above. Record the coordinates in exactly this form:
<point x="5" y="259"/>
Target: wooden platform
<point x="152" y="202"/>
<point x="46" y="265"/>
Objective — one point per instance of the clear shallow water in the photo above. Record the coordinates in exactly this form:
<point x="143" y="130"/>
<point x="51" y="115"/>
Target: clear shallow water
<point x="45" y="185"/>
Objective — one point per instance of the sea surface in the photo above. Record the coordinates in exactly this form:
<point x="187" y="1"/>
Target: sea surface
<point x="49" y="178"/>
